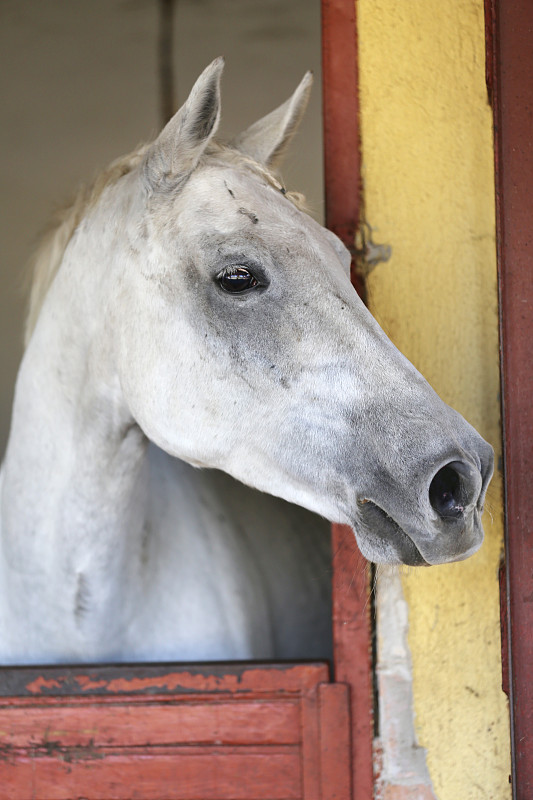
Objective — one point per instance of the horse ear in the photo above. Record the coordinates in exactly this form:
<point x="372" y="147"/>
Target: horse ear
<point x="267" y="139"/>
<point x="177" y="149"/>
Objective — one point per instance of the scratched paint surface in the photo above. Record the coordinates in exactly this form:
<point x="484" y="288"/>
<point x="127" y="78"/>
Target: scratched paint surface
<point x="159" y="678"/>
<point x="201" y="732"/>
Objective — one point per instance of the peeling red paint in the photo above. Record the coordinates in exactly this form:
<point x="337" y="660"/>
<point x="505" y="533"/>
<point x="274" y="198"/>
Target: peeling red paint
<point x="40" y="684"/>
<point x="278" y="731"/>
<point x="214" y="678"/>
<point x="250" y="680"/>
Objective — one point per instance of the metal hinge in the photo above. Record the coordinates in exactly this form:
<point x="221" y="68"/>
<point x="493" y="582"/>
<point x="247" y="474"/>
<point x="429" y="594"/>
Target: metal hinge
<point x="368" y="254"/>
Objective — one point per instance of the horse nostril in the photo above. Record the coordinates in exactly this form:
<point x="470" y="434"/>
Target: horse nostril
<point x="450" y="492"/>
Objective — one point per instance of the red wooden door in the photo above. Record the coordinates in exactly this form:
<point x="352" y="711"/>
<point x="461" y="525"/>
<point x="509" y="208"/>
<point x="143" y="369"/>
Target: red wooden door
<point x="227" y="731"/>
<point x="215" y="732"/>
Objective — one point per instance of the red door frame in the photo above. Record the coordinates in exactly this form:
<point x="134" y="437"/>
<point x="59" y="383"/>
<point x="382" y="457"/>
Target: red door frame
<point x="342" y="168"/>
<point x="342" y="152"/>
<point x="510" y="72"/>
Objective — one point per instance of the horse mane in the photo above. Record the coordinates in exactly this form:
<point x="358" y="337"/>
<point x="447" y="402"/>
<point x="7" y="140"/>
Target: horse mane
<point x="48" y="256"/>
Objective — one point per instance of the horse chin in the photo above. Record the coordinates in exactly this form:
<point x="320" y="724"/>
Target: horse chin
<point x="382" y="540"/>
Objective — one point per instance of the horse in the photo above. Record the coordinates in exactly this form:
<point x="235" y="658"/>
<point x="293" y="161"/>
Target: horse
<point x="201" y="389"/>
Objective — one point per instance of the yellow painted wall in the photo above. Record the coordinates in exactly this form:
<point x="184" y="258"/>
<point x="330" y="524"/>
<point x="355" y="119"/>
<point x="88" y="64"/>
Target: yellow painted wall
<point x="428" y="184"/>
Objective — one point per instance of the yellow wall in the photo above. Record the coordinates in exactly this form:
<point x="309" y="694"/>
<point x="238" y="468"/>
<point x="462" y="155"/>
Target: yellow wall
<point x="428" y="184"/>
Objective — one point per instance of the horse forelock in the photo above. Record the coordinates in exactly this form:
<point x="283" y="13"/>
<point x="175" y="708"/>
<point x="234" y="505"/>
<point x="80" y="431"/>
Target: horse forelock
<point x="47" y="258"/>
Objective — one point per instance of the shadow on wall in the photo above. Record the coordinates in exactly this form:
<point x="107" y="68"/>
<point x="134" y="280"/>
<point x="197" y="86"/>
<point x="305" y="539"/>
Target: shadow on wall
<point x="80" y="87"/>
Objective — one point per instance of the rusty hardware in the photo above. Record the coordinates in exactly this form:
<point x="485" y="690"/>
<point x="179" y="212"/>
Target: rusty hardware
<point x="368" y="253"/>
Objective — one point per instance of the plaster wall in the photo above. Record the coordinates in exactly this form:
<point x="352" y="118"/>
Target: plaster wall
<point x="428" y="192"/>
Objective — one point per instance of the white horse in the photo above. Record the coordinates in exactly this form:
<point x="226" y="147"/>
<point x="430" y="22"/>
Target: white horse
<point x="186" y="314"/>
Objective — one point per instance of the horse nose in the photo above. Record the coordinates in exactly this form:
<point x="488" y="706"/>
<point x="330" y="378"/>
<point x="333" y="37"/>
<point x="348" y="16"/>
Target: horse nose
<point x="455" y="488"/>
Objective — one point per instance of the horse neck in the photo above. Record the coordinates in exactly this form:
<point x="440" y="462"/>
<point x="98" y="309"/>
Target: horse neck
<point x="74" y="481"/>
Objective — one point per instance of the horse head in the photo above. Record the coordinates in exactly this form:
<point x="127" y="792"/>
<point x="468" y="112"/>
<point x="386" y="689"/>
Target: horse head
<point x="242" y="345"/>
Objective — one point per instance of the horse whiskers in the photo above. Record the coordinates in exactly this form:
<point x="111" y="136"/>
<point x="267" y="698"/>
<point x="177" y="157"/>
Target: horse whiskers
<point x="488" y="509"/>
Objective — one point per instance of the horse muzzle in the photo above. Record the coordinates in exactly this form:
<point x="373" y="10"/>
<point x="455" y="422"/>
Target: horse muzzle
<point x="442" y="523"/>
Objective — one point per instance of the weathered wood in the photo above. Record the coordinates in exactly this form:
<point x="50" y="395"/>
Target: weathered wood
<point x="158" y="723"/>
<point x="193" y="732"/>
<point x="351" y="608"/>
<point x="153" y="775"/>
<point x="310" y="734"/>
<point x="133" y="679"/>
<point x="352" y="651"/>
<point x="511" y="81"/>
<point x="342" y="168"/>
<point x="335" y="744"/>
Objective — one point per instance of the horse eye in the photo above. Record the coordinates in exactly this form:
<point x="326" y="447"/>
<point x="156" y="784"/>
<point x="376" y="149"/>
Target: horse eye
<point x="236" y="279"/>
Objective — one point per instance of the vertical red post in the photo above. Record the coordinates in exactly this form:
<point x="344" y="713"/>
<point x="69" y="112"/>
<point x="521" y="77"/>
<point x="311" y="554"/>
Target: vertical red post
<point x="351" y="605"/>
<point x="342" y="160"/>
<point x="510" y="64"/>
<point x="352" y="652"/>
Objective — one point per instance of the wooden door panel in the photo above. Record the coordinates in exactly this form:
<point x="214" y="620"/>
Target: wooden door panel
<point x="155" y="776"/>
<point x="156" y="723"/>
<point x="214" y="732"/>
